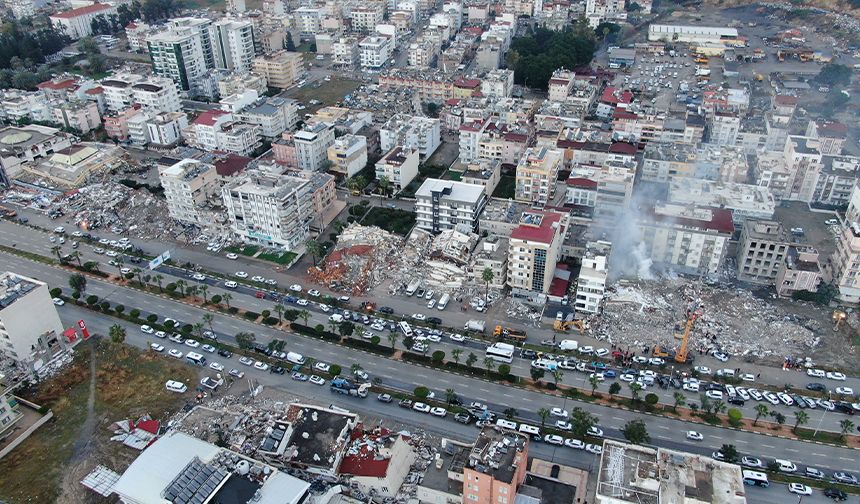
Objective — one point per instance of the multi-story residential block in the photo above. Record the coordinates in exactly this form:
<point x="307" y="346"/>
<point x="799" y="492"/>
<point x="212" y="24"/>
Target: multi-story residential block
<point x="235" y="83"/>
<point x="604" y="191"/>
<point x="469" y="140"/>
<point x="484" y="172"/>
<point x="537" y="172"/>
<point x="560" y="84"/>
<point x="366" y="16"/>
<point x="281" y="68"/>
<point x="422" y="133"/>
<point x="348" y="155"/>
<point x="182" y="53"/>
<point x="136" y="33"/>
<point x="597" y="11"/>
<point x="686" y="239"/>
<point x="831" y="136"/>
<point x="217" y="130"/>
<point x="269" y="210"/>
<point x="443" y="204"/>
<point x="746" y="201"/>
<point x="800" y="270"/>
<point x="724" y="128"/>
<point x="427" y="87"/>
<point x="761" y="251"/>
<point x="399" y="166"/>
<point x="375" y="51"/>
<point x="189" y="185"/>
<point x="312" y="145"/>
<point x="30" y="328"/>
<point x="421" y="54"/>
<point x="591" y="284"/>
<point x="9" y="408"/>
<point x="802" y="161"/>
<point x="534" y="249"/>
<point x="497" y="466"/>
<point x="233" y="44"/>
<point x="836" y="180"/>
<point x="116" y="126"/>
<point x="138" y="133"/>
<point x="309" y="21"/>
<point x="77" y="23"/>
<point x="165" y="130"/>
<point x="273" y="116"/>
<point x="492" y="253"/>
<point x="154" y="94"/>
<point x="498" y="83"/>
<point x="78" y="115"/>
<point x="345" y="52"/>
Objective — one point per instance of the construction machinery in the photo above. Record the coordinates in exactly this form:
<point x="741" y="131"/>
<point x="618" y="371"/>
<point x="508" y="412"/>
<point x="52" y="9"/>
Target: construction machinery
<point x="839" y="317"/>
<point x="565" y="325"/>
<point x="345" y="386"/>
<point x="694" y="311"/>
<point x="509" y="334"/>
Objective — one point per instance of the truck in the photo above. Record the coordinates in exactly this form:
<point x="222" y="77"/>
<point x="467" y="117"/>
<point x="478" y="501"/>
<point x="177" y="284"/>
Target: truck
<point x="475" y="325"/>
<point x="443" y="301"/>
<point x="412" y="287"/>
<point x="346" y="386"/>
<point x="509" y="334"/>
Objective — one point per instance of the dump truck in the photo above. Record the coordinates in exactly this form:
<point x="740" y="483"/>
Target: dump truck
<point x="509" y="333"/>
<point x="346" y="386"/>
<point x="475" y="325"/>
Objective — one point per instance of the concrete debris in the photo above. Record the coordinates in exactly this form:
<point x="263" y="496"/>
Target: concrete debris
<point x="733" y="320"/>
<point x="518" y="310"/>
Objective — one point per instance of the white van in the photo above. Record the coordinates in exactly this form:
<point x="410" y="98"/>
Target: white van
<point x="507" y="424"/>
<point x="195" y="358"/>
<point x="545" y="364"/>
<point x="786" y="466"/>
<point x="728" y="373"/>
<point x="295" y="358"/>
<point x="529" y="429"/>
<point x="335" y="317"/>
<point x="175" y="386"/>
<point x="404" y="327"/>
<point x="568" y="345"/>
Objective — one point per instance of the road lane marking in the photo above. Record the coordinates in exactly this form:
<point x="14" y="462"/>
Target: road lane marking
<point x="768" y="446"/>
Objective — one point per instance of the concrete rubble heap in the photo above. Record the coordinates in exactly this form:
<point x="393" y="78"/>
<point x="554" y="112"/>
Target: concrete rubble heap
<point x="732" y="320"/>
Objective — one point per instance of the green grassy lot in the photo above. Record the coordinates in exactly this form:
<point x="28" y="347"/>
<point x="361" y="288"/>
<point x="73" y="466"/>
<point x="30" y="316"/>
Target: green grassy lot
<point x="392" y="220"/>
<point x="506" y="188"/>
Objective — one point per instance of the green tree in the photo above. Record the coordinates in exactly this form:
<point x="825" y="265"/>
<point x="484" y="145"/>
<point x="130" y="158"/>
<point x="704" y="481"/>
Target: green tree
<point x="845" y="426"/>
<point x="438" y="356"/>
<point x="180" y="284"/>
<point x="471" y="359"/>
<point x="289" y="44"/>
<point x="535" y="56"/>
<point x="651" y="399"/>
<point x="833" y="74"/>
<point x="487" y="276"/>
<point x="421" y="392"/>
<point x="392" y="338"/>
<point x="450" y="395"/>
<point x="730" y="453"/>
<point x="636" y="432"/>
<point x="594" y="381"/>
<point x="315" y="249"/>
<point x="158" y="279"/>
<point x="557" y="375"/>
<point x="304" y="315"/>
<point x="227" y="297"/>
<point x="505" y="370"/>
<point x="198" y="328"/>
<point x="245" y="340"/>
<point x="384" y="184"/>
<point x="800" y="418"/>
<point x="346" y="328"/>
<point x="455" y="354"/>
<point x="680" y="400"/>
<point x="760" y="410"/>
<point x="280" y="309"/>
<point x="356" y="184"/>
<point x="581" y="421"/>
<point x="614" y="388"/>
<point x="489" y="364"/>
<point x="543" y="413"/>
<point x="117" y="334"/>
<point x="355" y="368"/>
<point x="635" y="388"/>
<point x="536" y="374"/>
<point x="204" y="290"/>
<point x="511" y="413"/>
<point x="735" y="417"/>
<point x="207" y="319"/>
<point x="78" y="282"/>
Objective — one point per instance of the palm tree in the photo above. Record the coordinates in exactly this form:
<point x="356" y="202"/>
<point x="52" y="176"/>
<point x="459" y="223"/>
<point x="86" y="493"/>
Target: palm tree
<point x="384" y="183"/>
<point x="304" y="315"/>
<point x="355" y="368"/>
<point x="392" y="338"/>
<point x="191" y="290"/>
<point x="119" y="263"/>
<point x="455" y="354"/>
<point x="760" y="410"/>
<point x="280" y="309"/>
<point x="557" y="375"/>
<point x="594" y="381"/>
<point x="198" y="328"/>
<point x="489" y="363"/>
<point x="800" y="418"/>
<point x="487" y="276"/>
<point x="356" y="183"/>
<point x="450" y="395"/>
<point x="314" y="248"/>
<point x="138" y="272"/>
<point x="56" y="250"/>
<point x="181" y="285"/>
<point x="634" y="391"/>
<point x="117" y="333"/>
<point x="680" y="400"/>
<point x="207" y="319"/>
<point x="845" y="426"/>
<point x="76" y="256"/>
<point x="543" y="413"/>
<point x="204" y="289"/>
<point x="158" y="279"/>
<point x="227" y="297"/>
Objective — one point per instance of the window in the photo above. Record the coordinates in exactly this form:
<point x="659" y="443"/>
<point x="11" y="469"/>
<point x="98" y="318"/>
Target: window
<point x="472" y="497"/>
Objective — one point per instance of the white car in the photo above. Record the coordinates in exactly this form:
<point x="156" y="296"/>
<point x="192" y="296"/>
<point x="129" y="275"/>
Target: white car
<point x="833" y="375"/>
<point x="553" y="439"/>
<point x="599" y="376"/>
<point x="559" y="412"/>
<point x="296" y="288"/>
<point x="771" y="398"/>
<point x="314" y="293"/>
<point x="322" y="366"/>
<point x="638" y="359"/>
<point x="175" y="353"/>
<point x="262" y="366"/>
<point x="325" y="308"/>
<point x="586" y="350"/>
<point x="232" y="256"/>
<point x="601" y="352"/>
<point x="317" y="380"/>
<point x="247" y="361"/>
<point x="160" y="334"/>
<point x="563" y="425"/>
<point x="752" y="462"/>
<point x="748" y="377"/>
<point x="845" y="390"/>
<point x="241" y="274"/>
<point x="192" y="343"/>
<point x="258" y="278"/>
<point x="58" y="302"/>
<point x="208" y="348"/>
<point x="457" y="337"/>
<point x="595" y="431"/>
<point x="593" y="448"/>
<point x="156" y="347"/>
<point x="656" y="361"/>
<point x="421" y="407"/>
<point x="59" y="229"/>
<point x="785" y="398"/>
<point x="815" y="373"/>
<point x="691" y="386"/>
<point x="574" y="443"/>
<point x="438" y="411"/>
<point x="111" y="253"/>
<point x="217" y="367"/>
<point x="720" y="356"/>
<point x="146" y="329"/>
<point x="627" y="378"/>
<point x="434" y="338"/>
<point x="714" y="394"/>
<point x="799" y="489"/>
<point x="230" y="284"/>
<point x="694" y="436"/>
<point x="419" y="316"/>
<point x="302" y="302"/>
<point x="200" y="277"/>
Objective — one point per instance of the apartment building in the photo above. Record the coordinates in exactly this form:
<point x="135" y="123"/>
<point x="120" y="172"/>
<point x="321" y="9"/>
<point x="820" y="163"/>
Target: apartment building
<point x="309" y="21"/>
<point x="421" y="54"/>
<point x="597" y="11"/>
<point x="182" y="53"/>
<point x="831" y="136"/>
<point x="188" y="186"/>
<point x="281" y="68"/>
<point x="348" y="155"/>
<point x="269" y="210"/>
<point x="77" y="115"/>
<point x="273" y="116"/>
<point x="375" y="51"/>
<point x="116" y="126"/>
<point x="366" y="16"/>
<point x="724" y="128"/>
<point x="686" y="239"/>
<point x="533" y="250"/>
<point x="422" y="133"/>
<point x="233" y="44"/>
<point x="761" y="251"/>
<point x="591" y="284"/>
<point x="836" y="180"/>
<point x="427" y="87"/>
<point x="399" y="166"/>
<point x="497" y="467"/>
<point x="800" y="270"/>
<point x="217" y="130"/>
<point x="345" y="52"/>
<point x="77" y="23"/>
<point x="443" y="204"/>
<point x="560" y="84"/>
<point x="312" y="145"/>
<point x="165" y="130"/>
<point x="498" y="83"/>
<point x="30" y="328"/>
<point x="537" y="172"/>
<point x="491" y="252"/>
<point x="803" y="163"/>
<point x="153" y="94"/>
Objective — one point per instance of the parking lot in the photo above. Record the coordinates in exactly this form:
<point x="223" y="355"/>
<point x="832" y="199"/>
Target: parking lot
<point x="657" y="78"/>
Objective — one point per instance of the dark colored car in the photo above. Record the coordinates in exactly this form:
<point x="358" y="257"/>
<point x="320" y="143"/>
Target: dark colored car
<point x="386" y="309"/>
<point x="225" y="353"/>
<point x="434" y="320"/>
<point x="736" y="400"/>
<point x="463" y="418"/>
<point x="277" y="370"/>
<point x="715" y="386"/>
<point x="526" y="353"/>
<point x="844" y="407"/>
<point x="835" y="494"/>
<point x="405" y="403"/>
<point x="818" y="387"/>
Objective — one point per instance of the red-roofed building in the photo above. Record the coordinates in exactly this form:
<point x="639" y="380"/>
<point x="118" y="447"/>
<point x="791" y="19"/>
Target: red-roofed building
<point x="378" y="460"/>
<point x="58" y="87"/>
<point x="560" y="84"/>
<point x="831" y="136"/>
<point x="614" y="96"/>
<point x="464" y="88"/>
<point x="534" y="248"/>
<point x="784" y="105"/>
<point x="77" y="23"/>
<point x="230" y="165"/>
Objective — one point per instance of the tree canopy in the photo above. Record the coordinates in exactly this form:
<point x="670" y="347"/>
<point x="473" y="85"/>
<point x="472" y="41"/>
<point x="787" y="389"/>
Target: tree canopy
<point x="534" y="57"/>
<point x="834" y="74"/>
<point x="29" y="45"/>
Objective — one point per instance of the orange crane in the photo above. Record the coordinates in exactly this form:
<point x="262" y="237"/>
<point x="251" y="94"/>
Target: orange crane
<point x="694" y="311"/>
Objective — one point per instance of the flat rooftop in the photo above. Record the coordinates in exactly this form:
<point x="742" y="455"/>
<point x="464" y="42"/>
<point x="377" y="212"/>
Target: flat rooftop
<point x="318" y="436"/>
<point x="451" y="191"/>
<point x="494" y="452"/>
<point x="14" y="287"/>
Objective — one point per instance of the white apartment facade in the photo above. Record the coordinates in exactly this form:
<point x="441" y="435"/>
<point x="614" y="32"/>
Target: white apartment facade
<point x="537" y="172"/>
<point x="348" y="155"/>
<point x="375" y="51"/>
<point x="188" y="186"/>
<point x="399" y="166"/>
<point x="77" y="23"/>
<point x="422" y="133"/>
<point x="312" y="145"/>
<point x="30" y="328"/>
<point x="233" y="44"/>
<point x="591" y="284"/>
<point x="441" y="205"/>
<point x="533" y="250"/>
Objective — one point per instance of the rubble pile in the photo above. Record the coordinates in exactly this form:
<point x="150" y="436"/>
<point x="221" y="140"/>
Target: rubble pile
<point x="518" y="310"/>
<point x="732" y="320"/>
<point x="115" y="205"/>
<point x="361" y="259"/>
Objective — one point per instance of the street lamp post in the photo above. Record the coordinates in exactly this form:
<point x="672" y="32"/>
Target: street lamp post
<point x="821" y="420"/>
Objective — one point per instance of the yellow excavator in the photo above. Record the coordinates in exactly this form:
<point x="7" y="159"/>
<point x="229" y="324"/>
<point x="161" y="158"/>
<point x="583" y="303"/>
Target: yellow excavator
<point x="694" y="311"/>
<point x="565" y="325"/>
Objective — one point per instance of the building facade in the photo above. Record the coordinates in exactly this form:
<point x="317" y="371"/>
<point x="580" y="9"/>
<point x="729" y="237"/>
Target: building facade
<point x="533" y="250"/>
<point x="761" y="251"/>
<point x="537" y="172"/>
<point x="30" y="328"/>
<point x="188" y="186"/>
<point x="442" y="204"/>
<point x="399" y="166"/>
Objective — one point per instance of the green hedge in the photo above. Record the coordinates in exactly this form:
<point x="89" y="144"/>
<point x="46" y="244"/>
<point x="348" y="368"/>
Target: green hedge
<point x="310" y="331"/>
<point x="370" y="347"/>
